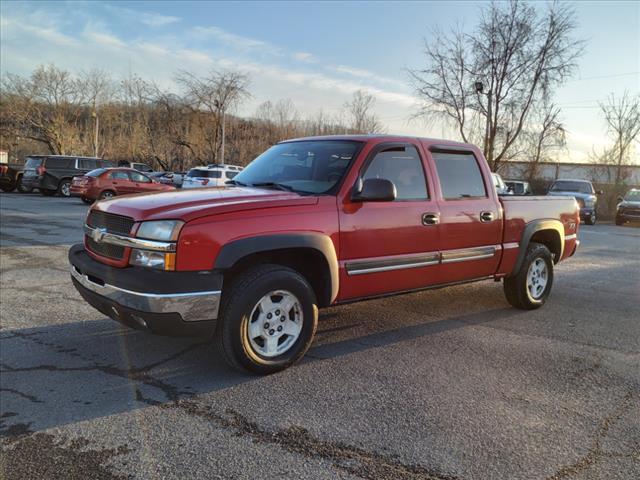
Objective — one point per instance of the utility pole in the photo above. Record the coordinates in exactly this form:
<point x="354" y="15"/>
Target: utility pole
<point x="479" y="86"/>
<point x="222" y="153"/>
<point x="94" y="114"/>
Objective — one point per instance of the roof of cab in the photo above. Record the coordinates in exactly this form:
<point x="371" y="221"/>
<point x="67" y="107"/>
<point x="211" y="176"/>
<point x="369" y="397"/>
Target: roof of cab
<point x="377" y="138"/>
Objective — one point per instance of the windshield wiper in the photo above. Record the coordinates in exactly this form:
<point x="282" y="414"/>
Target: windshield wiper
<point x="279" y="186"/>
<point x="235" y="182"/>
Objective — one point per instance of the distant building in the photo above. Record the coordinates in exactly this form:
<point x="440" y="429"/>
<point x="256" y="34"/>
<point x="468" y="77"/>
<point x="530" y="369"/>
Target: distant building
<point x="605" y="174"/>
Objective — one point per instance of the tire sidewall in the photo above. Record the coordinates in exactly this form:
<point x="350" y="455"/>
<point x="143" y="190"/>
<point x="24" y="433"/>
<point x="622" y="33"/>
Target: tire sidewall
<point x="538" y="251"/>
<point x="61" y="188"/>
<point x="237" y="316"/>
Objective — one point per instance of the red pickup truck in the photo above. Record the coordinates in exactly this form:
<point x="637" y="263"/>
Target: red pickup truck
<point x="314" y="222"/>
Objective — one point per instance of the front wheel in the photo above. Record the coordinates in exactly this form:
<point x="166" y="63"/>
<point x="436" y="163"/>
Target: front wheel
<point x="591" y="219"/>
<point x="22" y="188"/>
<point x="268" y="319"/>
<point x="530" y="286"/>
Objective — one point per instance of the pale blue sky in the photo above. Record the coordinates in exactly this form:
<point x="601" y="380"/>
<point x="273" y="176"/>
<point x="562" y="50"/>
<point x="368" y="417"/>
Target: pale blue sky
<point x="317" y="54"/>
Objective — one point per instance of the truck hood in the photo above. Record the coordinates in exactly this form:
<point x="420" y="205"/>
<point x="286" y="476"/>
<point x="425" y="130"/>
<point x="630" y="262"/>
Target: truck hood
<point x="190" y="204"/>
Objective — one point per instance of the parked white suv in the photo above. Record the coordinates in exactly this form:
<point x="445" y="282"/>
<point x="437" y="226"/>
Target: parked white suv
<point x="210" y="176"/>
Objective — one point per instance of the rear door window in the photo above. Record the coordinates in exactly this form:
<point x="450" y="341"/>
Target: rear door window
<point x="60" y="163"/>
<point x="88" y="163"/>
<point x="460" y="176"/>
<point x="32" y="162"/>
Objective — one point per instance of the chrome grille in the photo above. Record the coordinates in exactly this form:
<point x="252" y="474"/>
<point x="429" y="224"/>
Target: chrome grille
<point x="105" y="249"/>
<point x="113" y="223"/>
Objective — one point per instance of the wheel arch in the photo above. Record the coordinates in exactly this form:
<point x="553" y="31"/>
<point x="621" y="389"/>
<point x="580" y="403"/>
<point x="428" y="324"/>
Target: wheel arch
<point x="549" y="232"/>
<point x="312" y="255"/>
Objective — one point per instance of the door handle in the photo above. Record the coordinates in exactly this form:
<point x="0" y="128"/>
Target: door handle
<point x="430" y="219"/>
<point x="486" y="216"/>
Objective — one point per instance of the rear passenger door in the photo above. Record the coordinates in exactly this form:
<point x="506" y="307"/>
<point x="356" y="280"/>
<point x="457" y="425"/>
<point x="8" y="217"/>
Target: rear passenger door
<point x="470" y="216"/>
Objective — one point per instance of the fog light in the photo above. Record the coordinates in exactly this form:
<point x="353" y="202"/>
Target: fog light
<point x="149" y="259"/>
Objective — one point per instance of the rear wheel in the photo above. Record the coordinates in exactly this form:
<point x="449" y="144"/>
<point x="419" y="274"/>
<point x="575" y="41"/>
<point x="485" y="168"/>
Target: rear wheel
<point x="530" y="286"/>
<point x="47" y="192"/>
<point x="268" y="319"/>
<point x="107" y="194"/>
<point x="8" y="187"/>
<point x="619" y="221"/>
<point x="64" y="188"/>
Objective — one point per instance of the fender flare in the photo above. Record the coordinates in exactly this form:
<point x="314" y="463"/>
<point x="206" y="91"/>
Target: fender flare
<point x="233" y="251"/>
<point x="531" y="229"/>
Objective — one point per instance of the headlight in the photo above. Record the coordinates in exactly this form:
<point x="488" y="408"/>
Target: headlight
<point x="164" y="230"/>
<point x="147" y="258"/>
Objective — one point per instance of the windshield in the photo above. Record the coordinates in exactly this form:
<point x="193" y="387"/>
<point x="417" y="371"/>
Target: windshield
<point x="569" y="186"/>
<point x="314" y="166"/>
<point x="32" y="162"/>
<point x="633" y="196"/>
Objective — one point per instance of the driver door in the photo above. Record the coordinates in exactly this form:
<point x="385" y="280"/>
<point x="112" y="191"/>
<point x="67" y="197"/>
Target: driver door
<point x="390" y="245"/>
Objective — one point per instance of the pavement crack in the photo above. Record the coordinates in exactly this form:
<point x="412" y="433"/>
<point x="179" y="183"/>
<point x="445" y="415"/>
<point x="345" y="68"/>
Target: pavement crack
<point x="31" y="398"/>
<point x="595" y="452"/>
<point x="351" y="459"/>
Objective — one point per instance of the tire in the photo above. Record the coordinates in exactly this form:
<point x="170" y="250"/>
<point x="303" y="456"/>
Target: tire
<point x="107" y="194"/>
<point x="47" y="193"/>
<point x="22" y="188"/>
<point x="523" y="290"/>
<point x="619" y="221"/>
<point x="64" y="188"/>
<point x="8" y="187"/>
<point x="86" y="200"/>
<point x="243" y="314"/>
<point x="590" y="220"/>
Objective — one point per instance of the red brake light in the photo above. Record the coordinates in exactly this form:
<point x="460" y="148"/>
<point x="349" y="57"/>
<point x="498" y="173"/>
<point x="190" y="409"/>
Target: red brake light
<point x="41" y="170"/>
<point x="3" y="169"/>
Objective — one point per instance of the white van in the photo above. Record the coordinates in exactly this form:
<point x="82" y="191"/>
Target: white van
<point x="210" y="176"/>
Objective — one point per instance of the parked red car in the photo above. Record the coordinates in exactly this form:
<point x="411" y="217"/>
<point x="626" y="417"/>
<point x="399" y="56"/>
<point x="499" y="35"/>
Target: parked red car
<point x="311" y="223"/>
<point x="105" y="183"/>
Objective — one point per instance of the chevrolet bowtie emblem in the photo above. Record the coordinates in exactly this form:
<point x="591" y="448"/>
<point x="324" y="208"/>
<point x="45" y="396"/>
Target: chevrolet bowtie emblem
<point x="97" y="234"/>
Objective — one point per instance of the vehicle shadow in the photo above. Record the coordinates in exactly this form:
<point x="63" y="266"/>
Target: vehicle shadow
<point x="62" y="374"/>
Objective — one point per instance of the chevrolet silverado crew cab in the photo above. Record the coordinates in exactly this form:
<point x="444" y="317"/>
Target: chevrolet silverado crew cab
<point x="310" y="223"/>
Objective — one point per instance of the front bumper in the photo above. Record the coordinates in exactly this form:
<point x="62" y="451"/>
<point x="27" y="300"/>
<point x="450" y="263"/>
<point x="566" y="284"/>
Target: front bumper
<point x="587" y="212"/>
<point x="166" y="303"/>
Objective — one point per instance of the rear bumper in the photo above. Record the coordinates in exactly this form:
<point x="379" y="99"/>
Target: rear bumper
<point x="30" y="182"/>
<point x="166" y="303"/>
<point x="587" y="212"/>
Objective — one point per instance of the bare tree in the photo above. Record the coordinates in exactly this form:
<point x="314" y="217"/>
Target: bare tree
<point x="487" y="82"/>
<point x="46" y="107"/>
<point x="360" y="115"/>
<point x="546" y="134"/>
<point x="623" y="122"/>
<point x="218" y="93"/>
<point x="99" y="89"/>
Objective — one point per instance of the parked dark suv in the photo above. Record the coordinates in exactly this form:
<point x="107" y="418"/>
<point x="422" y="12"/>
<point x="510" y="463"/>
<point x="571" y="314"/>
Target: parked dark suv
<point x="52" y="174"/>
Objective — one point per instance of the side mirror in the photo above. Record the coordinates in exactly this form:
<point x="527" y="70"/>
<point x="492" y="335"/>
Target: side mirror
<point x="599" y="192"/>
<point x="375" y="190"/>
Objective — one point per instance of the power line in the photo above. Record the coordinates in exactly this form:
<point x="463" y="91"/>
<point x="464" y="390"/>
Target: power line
<point x="605" y="76"/>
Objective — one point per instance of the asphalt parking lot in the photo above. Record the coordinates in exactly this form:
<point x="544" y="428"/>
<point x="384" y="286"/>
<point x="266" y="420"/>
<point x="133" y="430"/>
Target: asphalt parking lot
<point x="442" y="384"/>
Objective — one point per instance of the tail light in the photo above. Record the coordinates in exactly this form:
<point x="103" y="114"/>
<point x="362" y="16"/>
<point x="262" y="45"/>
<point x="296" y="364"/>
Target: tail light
<point x="205" y="181"/>
<point x="41" y="170"/>
<point x="3" y="169"/>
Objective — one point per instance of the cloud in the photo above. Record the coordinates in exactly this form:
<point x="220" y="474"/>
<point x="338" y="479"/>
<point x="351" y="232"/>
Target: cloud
<point x="157" y="20"/>
<point x="366" y="74"/>
<point x="104" y="39"/>
<point x="304" y="57"/>
<point x="150" y="19"/>
<point x="235" y="41"/>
